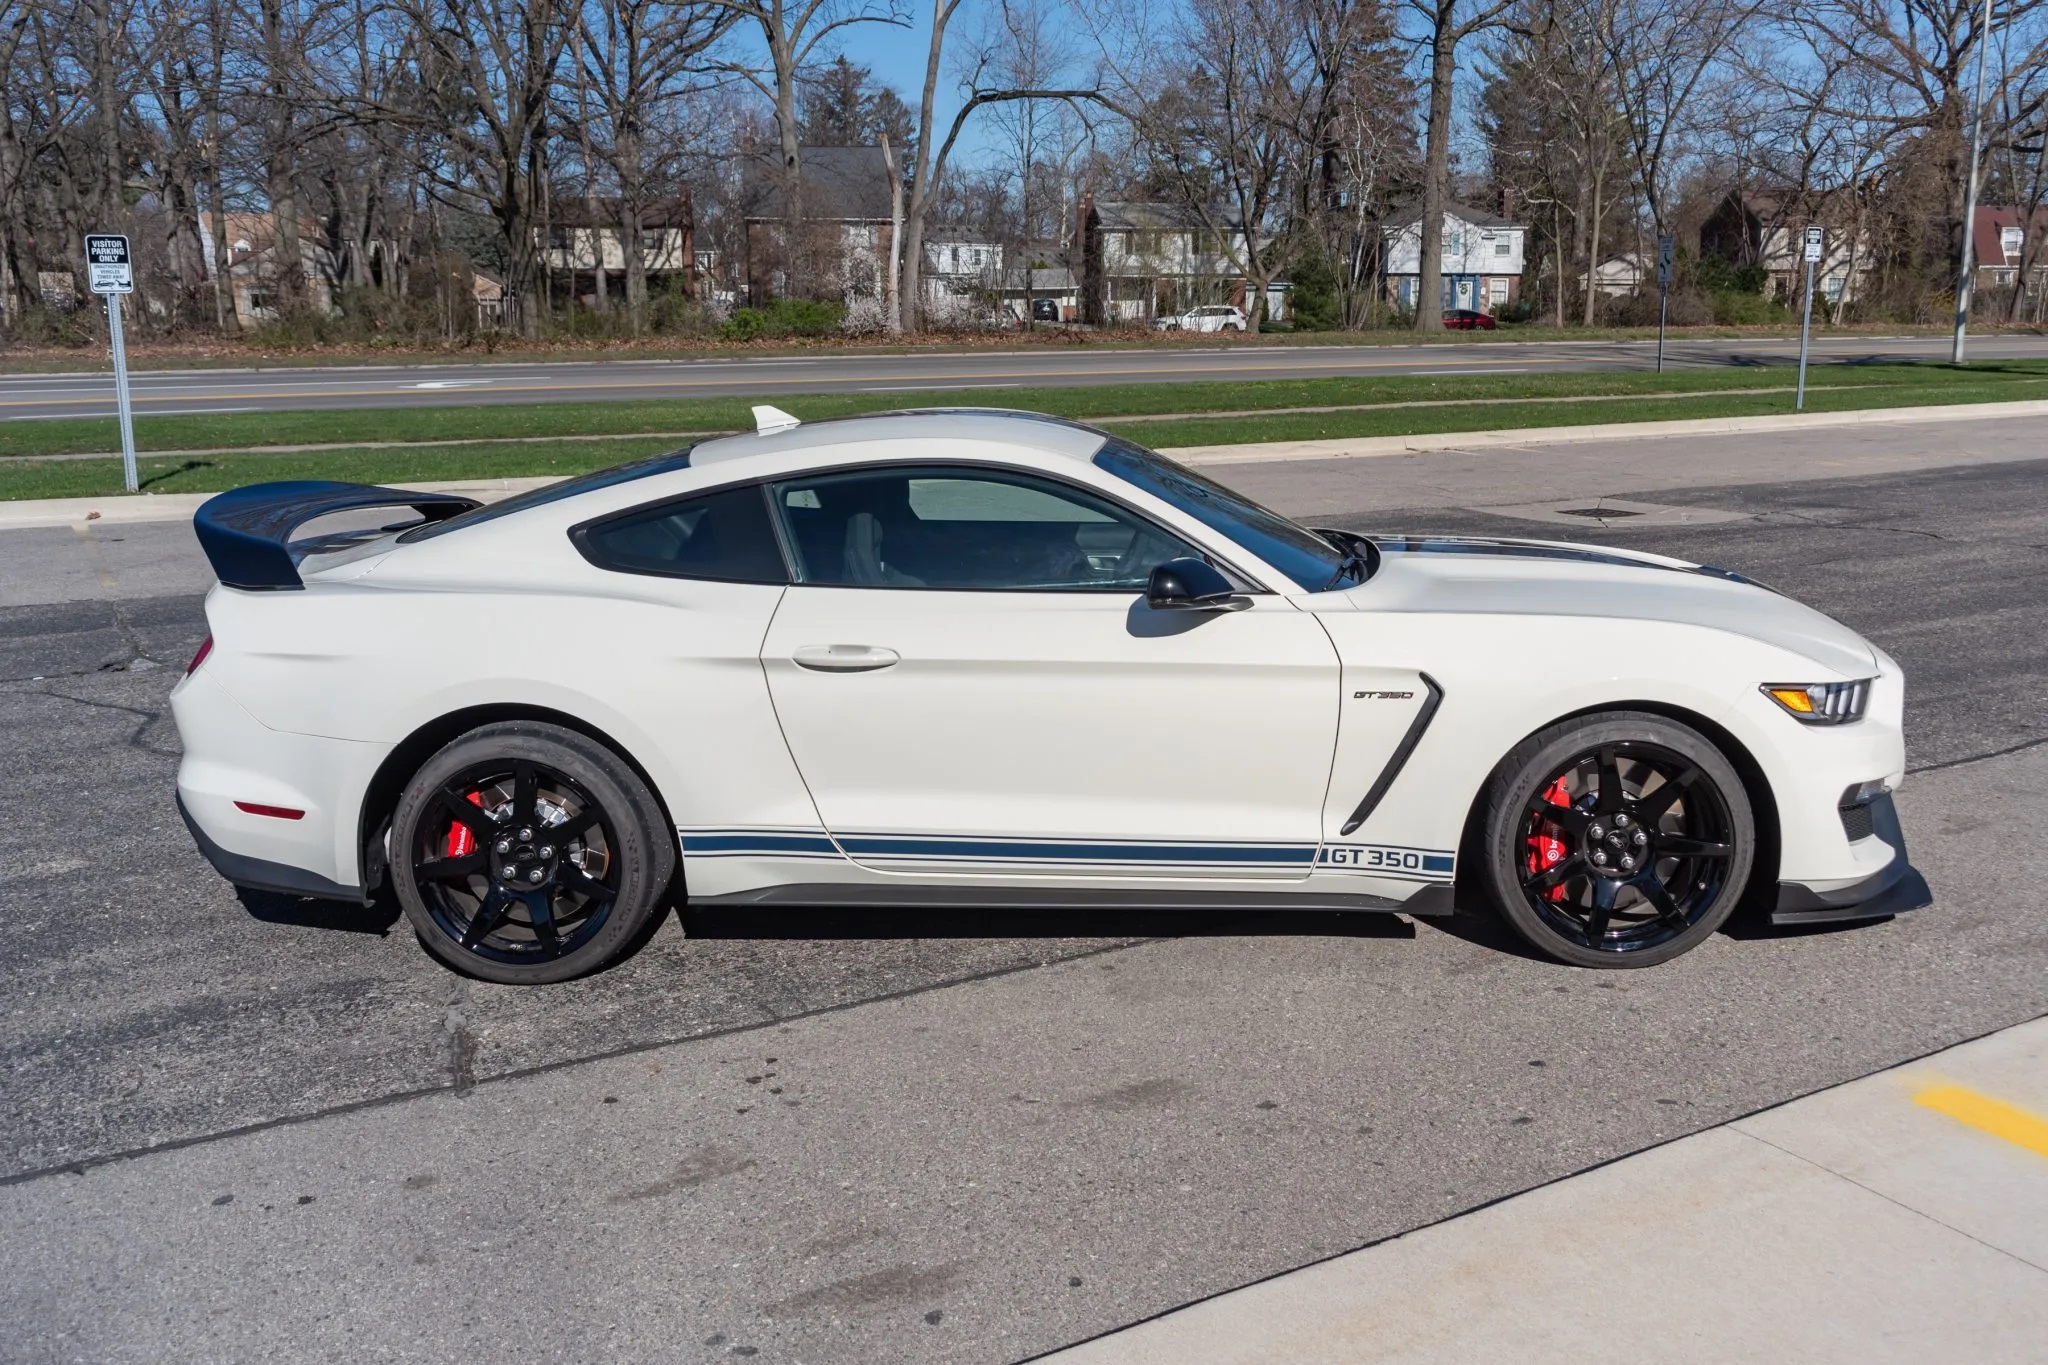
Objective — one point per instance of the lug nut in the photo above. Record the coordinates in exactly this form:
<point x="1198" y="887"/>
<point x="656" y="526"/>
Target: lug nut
<point x="504" y="846"/>
<point x="1628" y="864"/>
<point x="1640" y="839"/>
<point x="1599" y="857"/>
<point x="1595" y="831"/>
<point x="536" y="875"/>
<point x="525" y="834"/>
<point x="1621" y="821"/>
<point x="547" y="850"/>
<point x="508" y="872"/>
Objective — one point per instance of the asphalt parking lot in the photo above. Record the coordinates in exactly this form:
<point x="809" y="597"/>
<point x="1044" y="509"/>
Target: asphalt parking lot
<point x="878" y="1136"/>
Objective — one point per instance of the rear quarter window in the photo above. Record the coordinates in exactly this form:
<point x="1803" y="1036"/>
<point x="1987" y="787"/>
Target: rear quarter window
<point x="723" y="537"/>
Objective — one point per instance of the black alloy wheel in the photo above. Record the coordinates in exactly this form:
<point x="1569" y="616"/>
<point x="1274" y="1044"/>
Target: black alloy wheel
<point x="1618" y="841"/>
<point x="525" y="853"/>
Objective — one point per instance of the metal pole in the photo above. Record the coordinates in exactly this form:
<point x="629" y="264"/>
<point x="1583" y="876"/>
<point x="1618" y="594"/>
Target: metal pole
<point x="1805" y="326"/>
<point x="1663" y="306"/>
<point x="1967" y="276"/>
<point x="121" y="392"/>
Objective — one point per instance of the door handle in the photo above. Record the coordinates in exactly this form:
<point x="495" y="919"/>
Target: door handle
<point x="844" y="658"/>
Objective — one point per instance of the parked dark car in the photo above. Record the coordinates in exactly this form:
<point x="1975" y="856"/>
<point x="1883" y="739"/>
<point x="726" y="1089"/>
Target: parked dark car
<point x="1045" y="310"/>
<point x="1468" y="320"/>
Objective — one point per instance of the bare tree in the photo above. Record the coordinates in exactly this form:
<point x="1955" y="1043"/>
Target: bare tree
<point x="1445" y="24"/>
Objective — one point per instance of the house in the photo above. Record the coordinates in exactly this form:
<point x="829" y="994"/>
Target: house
<point x="586" y="246"/>
<point x="1143" y="261"/>
<point x="1040" y="270"/>
<point x="1483" y="257"/>
<point x="256" y="278"/>
<point x="841" y="247"/>
<point x="1747" y="228"/>
<point x="1622" y="275"/>
<point x="1999" y="240"/>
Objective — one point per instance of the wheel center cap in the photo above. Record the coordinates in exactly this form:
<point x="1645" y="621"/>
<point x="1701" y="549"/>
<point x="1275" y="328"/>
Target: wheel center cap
<point x="1616" y="845"/>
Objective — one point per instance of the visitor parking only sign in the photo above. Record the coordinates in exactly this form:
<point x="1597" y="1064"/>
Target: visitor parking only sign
<point x="108" y="269"/>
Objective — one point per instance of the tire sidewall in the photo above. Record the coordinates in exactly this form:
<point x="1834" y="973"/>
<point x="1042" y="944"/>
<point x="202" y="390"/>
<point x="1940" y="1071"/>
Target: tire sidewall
<point x="646" y="855"/>
<point x="1514" y="787"/>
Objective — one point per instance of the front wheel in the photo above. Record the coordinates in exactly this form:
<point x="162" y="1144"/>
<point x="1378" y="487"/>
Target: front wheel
<point x="526" y="853"/>
<point x="1617" y="840"/>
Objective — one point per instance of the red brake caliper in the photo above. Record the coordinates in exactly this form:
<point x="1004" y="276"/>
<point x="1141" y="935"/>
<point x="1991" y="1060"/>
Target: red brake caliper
<point x="1546" y="847"/>
<point x="462" y="843"/>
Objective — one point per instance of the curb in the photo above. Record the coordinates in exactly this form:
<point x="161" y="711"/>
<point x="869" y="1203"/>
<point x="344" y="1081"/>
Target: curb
<point x="1366" y="447"/>
<point x="125" y="509"/>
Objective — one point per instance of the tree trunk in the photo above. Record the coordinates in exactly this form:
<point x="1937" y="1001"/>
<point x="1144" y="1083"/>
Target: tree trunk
<point x="892" y="291"/>
<point x="1436" y="163"/>
<point x="1557" y="256"/>
<point x="1593" y="249"/>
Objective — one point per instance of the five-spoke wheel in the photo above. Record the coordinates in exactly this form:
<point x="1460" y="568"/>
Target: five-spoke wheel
<point x="1618" y="840"/>
<point x="528" y="853"/>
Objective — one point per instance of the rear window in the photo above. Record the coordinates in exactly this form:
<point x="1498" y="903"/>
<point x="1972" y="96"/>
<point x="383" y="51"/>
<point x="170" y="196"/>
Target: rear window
<point x="645" y="467"/>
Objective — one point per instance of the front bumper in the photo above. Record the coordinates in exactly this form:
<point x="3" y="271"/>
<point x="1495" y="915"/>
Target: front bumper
<point x="1893" y="889"/>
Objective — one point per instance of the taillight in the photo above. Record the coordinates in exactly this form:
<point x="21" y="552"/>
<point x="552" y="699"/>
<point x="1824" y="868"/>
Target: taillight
<point x="205" y="648"/>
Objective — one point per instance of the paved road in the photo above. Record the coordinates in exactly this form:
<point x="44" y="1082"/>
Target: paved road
<point x="33" y="397"/>
<point x="880" y="1136"/>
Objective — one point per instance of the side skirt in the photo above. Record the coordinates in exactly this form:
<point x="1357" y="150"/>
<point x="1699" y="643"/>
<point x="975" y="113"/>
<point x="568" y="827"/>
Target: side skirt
<point x="1431" y="900"/>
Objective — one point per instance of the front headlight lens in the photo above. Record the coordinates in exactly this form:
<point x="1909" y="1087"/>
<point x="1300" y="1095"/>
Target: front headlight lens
<point x="1823" y="703"/>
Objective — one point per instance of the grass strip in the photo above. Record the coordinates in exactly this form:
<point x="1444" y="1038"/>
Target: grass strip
<point x="211" y="472"/>
<point x="353" y="426"/>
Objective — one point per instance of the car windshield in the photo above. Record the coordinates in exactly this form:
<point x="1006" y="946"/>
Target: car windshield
<point x="642" y="468"/>
<point x="1311" y="561"/>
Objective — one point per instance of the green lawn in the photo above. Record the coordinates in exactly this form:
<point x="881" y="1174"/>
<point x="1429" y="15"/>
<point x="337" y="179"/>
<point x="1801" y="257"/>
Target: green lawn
<point x="1434" y="404"/>
<point x="370" y="425"/>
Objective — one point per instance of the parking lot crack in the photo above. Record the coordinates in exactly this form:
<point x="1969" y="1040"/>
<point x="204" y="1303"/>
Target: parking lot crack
<point x="2019" y="748"/>
<point x="459" y="1024"/>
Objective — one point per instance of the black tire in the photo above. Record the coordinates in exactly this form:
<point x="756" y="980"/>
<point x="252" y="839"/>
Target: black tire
<point x="560" y="866"/>
<point x="1654" y="803"/>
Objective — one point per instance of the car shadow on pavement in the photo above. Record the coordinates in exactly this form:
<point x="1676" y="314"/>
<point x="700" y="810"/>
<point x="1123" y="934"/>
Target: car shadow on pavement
<point x="303" y="912"/>
<point x="764" y="922"/>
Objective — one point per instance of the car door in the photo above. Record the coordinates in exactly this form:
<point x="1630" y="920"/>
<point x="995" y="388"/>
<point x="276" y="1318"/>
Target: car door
<point x="971" y="683"/>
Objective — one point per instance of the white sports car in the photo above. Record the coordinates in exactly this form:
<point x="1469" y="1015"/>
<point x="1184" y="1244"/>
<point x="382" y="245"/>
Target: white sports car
<point x="986" y="659"/>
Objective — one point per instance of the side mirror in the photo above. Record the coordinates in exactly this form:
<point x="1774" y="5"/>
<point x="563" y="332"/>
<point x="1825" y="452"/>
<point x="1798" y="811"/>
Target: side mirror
<point x="1189" y="585"/>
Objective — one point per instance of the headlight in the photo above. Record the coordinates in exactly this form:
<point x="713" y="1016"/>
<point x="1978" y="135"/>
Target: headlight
<point x="1823" y="703"/>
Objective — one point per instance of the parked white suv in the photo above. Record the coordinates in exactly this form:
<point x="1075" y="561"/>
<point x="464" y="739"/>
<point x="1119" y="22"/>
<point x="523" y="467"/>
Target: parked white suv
<point x="1213" y="318"/>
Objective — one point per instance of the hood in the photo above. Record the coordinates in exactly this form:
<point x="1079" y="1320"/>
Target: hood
<point x="1484" y="576"/>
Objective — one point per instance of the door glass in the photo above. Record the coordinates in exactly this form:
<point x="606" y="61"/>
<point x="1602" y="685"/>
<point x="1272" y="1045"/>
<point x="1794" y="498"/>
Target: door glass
<point x="965" y="530"/>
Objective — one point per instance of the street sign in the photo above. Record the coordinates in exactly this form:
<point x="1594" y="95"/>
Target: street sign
<point x="1813" y="241"/>
<point x="108" y="269"/>
<point x="1666" y="252"/>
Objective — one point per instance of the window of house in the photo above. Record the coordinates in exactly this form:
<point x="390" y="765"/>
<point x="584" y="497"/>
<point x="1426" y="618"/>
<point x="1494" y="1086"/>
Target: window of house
<point x="1504" y="247"/>
<point x="966" y="529"/>
<point x="560" y="239"/>
<point x="2013" y="240"/>
<point x="723" y="536"/>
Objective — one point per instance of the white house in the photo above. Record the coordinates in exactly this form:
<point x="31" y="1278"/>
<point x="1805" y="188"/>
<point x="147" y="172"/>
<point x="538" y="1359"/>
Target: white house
<point x="1482" y="263"/>
<point x="1141" y="261"/>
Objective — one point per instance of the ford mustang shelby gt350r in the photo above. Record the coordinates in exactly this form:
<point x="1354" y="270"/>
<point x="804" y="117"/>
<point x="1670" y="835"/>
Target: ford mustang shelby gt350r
<point x="973" y="659"/>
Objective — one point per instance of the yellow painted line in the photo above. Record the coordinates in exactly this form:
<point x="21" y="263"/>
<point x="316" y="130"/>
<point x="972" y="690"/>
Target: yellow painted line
<point x="1987" y="1115"/>
<point x="960" y="381"/>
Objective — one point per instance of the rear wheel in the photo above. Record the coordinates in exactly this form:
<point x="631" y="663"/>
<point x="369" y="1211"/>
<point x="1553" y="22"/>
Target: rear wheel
<point x="525" y="853"/>
<point x="1619" y="840"/>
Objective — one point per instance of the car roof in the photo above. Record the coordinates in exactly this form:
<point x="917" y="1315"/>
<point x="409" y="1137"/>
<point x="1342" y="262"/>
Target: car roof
<point x="1000" y="426"/>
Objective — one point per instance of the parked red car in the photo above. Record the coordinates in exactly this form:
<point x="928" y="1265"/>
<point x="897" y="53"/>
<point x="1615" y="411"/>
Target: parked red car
<point x="1468" y="319"/>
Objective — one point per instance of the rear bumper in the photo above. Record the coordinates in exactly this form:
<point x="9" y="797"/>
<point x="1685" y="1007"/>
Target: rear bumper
<point x="256" y="874"/>
<point x="1893" y="889"/>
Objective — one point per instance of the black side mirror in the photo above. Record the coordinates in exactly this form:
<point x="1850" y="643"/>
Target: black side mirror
<point x="1189" y="585"/>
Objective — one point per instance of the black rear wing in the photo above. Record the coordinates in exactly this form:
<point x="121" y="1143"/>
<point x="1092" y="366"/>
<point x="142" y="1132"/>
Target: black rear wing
<point x="247" y="532"/>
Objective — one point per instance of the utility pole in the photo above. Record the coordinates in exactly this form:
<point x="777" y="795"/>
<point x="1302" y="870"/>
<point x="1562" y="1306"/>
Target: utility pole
<point x="1967" y="273"/>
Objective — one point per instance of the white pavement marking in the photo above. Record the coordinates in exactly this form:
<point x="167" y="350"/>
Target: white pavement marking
<point x="1853" y="1224"/>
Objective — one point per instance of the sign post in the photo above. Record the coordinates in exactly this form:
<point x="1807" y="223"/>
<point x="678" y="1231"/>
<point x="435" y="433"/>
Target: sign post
<point x="111" y="272"/>
<point x="1813" y="241"/>
<point x="1664" y="258"/>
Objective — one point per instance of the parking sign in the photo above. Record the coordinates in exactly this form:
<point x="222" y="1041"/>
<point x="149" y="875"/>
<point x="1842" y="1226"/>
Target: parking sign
<point x="108" y="269"/>
<point x="1813" y="240"/>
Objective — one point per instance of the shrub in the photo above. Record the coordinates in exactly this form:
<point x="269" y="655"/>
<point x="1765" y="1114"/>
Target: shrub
<point x="783" y="318"/>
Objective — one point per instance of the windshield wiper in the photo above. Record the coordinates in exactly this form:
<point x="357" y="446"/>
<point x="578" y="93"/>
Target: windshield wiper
<point x="1361" y="558"/>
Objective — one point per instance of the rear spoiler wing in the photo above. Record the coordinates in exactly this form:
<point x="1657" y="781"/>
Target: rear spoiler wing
<point x="247" y="532"/>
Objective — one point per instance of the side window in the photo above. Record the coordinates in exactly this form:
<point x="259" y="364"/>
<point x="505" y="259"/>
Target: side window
<point x="725" y="536"/>
<point x="966" y="530"/>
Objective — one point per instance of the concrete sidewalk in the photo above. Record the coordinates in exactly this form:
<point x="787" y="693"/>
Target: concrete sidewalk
<point x="1902" y="1217"/>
